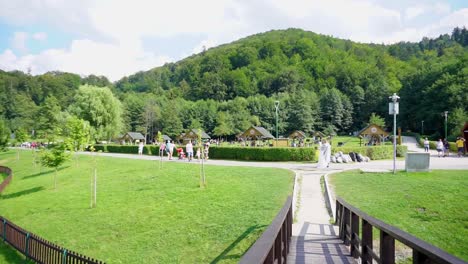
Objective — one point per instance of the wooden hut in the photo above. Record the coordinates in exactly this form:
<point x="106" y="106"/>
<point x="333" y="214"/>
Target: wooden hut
<point x="298" y="134"/>
<point x="256" y="133"/>
<point x="132" y="138"/>
<point x="373" y="134"/>
<point x="192" y="134"/>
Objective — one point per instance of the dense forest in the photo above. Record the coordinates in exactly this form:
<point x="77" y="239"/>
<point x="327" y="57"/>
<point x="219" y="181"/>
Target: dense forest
<point x="322" y="83"/>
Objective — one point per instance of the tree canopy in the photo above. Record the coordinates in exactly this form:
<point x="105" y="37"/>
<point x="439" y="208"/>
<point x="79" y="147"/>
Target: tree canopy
<point x="322" y="83"/>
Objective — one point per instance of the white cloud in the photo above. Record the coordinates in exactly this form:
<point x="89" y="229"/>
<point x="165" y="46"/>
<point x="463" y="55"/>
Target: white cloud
<point x="39" y="36"/>
<point x="414" y="11"/>
<point x="431" y="9"/>
<point x="86" y="57"/>
<point x="18" y="41"/>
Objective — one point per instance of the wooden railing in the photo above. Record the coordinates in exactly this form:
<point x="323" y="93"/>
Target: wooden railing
<point x="273" y="245"/>
<point x="350" y="220"/>
<point x="33" y="246"/>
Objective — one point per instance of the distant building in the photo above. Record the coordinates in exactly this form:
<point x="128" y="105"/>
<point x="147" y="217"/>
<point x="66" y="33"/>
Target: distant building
<point x="132" y="138"/>
<point x="192" y="134"/>
<point x="373" y="134"/>
<point x="298" y="134"/>
<point x="256" y="133"/>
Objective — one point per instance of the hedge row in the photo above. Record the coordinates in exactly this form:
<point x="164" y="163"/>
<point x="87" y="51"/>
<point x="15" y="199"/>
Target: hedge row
<point x="374" y="152"/>
<point x="230" y="153"/>
<point x="129" y="149"/>
<point x="264" y="154"/>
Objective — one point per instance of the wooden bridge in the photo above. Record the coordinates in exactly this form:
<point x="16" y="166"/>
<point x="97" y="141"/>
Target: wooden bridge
<point x="313" y="240"/>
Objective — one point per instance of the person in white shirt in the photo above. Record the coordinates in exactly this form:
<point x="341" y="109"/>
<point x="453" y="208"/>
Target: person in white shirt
<point x="426" y="145"/>
<point x="140" y="148"/>
<point x="189" y="150"/>
<point x="440" y="147"/>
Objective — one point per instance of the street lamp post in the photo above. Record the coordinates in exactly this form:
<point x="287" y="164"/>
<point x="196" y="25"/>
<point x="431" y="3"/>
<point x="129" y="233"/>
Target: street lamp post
<point x="393" y="110"/>
<point x="422" y="127"/>
<point x="445" y="113"/>
<point x="276" y="111"/>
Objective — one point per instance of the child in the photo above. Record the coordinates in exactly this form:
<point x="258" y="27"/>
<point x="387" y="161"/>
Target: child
<point x="198" y="154"/>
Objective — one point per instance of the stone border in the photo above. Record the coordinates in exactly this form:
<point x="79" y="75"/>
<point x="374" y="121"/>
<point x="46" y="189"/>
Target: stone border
<point x="296" y="200"/>
<point x="328" y="197"/>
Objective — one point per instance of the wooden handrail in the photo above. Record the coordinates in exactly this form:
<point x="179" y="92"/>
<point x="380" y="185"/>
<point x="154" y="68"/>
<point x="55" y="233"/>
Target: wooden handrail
<point x="423" y="252"/>
<point x="273" y="244"/>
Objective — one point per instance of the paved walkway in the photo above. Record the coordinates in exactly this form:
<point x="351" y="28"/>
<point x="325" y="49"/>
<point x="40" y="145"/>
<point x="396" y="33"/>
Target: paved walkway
<point x="314" y="239"/>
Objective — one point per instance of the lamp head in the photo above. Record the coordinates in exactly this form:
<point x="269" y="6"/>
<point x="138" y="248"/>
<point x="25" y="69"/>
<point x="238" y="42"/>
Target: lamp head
<point x="394" y="97"/>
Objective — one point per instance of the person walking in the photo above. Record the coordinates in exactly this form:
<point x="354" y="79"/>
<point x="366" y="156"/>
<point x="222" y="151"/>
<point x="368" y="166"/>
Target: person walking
<point x="162" y="148"/>
<point x="189" y="150"/>
<point x="140" y="148"/>
<point x="325" y="155"/>
<point x="426" y="145"/>
<point x="440" y="147"/>
<point x="446" y="148"/>
<point x="460" y="146"/>
<point x="169" y="149"/>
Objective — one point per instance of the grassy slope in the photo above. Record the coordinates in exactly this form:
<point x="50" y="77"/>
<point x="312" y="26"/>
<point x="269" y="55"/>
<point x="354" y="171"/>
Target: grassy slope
<point x="145" y="215"/>
<point x="347" y="140"/>
<point x="431" y="205"/>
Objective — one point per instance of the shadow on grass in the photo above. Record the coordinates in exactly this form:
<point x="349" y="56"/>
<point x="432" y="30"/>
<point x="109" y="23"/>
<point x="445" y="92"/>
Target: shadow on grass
<point x="224" y="254"/>
<point x="10" y="255"/>
<point x="43" y="173"/>
<point x="21" y="193"/>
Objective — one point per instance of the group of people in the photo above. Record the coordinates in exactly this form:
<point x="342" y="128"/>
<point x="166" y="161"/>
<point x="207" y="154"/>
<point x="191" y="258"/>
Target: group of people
<point x="168" y="147"/>
<point x="443" y="147"/>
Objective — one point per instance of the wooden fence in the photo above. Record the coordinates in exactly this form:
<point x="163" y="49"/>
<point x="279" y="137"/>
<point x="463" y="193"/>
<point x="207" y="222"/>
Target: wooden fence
<point x="349" y="218"/>
<point x="35" y="247"/>
<point x="273" y="245"/>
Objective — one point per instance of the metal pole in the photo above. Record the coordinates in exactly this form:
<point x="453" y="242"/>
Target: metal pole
<point x="277" y="126"/>
<point x="446" y="112"/>
<point x="276" y="111"/>
<point x="422" y="127"/>
<point x="394" y="136"/>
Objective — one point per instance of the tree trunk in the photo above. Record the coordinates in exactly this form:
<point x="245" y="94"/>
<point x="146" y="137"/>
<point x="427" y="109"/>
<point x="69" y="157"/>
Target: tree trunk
<point x="95" y="187"/>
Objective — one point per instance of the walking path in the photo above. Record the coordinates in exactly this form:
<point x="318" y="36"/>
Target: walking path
<point x="314" y="239"/>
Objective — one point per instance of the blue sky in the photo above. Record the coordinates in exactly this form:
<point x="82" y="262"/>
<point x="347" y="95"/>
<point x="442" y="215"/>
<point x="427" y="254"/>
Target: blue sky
<point x="117" y="38"/>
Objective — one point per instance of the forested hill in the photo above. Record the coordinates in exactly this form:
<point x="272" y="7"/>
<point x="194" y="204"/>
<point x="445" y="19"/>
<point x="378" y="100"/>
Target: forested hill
<point x="322" y="83"/>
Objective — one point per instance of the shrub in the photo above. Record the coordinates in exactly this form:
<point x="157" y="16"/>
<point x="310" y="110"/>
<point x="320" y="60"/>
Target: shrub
<point x="374" y="152"/>
<point x="263" y="154"/>
<point x="130" y="149"/>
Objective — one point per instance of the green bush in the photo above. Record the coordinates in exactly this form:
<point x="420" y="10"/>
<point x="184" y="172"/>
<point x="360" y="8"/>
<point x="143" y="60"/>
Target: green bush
<point x="433" y="144"/>
<point x="263" y="154"/>
<point x="374" y="152"/>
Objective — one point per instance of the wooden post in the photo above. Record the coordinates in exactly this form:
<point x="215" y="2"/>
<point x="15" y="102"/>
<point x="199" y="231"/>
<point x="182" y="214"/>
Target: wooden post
<point x="387" y="248"/>
<point x="366" y="242"/>
<point x="420" y="258"/>
<point x="354" y="235"/>
<point x="346" y="223"/>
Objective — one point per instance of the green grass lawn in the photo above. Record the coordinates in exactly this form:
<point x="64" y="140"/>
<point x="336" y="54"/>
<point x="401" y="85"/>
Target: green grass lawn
<point x="144" y="214"/>
<point x="347" y="140"/>
<point x="430" y="205"/>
